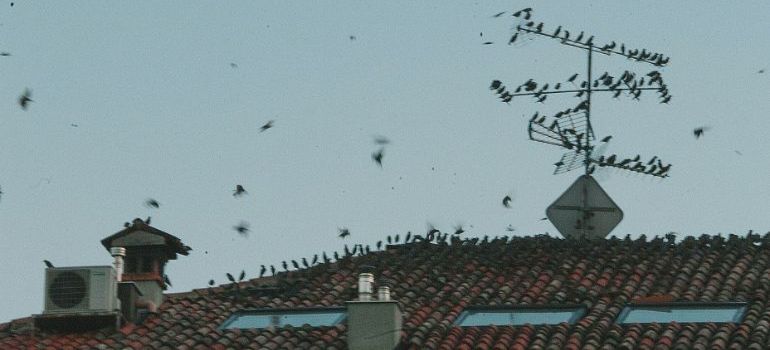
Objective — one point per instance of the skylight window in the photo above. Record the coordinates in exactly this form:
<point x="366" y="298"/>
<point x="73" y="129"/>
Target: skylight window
<point x="520" y="315"/>
<point x="264" y="318"/>
<point x="683" y="313"/>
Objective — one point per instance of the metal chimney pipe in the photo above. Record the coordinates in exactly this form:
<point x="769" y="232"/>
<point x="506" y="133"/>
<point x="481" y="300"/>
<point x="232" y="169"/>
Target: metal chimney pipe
<point x="118" y="253"/>
<point x="383" y="293"/>
<point x="365" y="282"/>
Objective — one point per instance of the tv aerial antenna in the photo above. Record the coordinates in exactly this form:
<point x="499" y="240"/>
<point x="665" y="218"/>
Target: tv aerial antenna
<point x="585" y="210"/>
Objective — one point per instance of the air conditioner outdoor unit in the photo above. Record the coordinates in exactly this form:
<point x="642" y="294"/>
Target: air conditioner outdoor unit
<point x="79" y="290"/>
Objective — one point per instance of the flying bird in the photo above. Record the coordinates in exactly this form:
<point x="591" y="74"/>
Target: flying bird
<point x="242" y="228"/>
<point x="151" y="203"/>
<point x="459" y="229"/>
<point x="759" y="71"/>
<point x="352" y="37"/>
<point x="48" y="264"/>
<point x="267" y="125"/>
<point x="239" y="191"/>
<point x="487" y="43"/>
<point x="377" y="156"/>
<point x="344" y="232"/>
<point x="25" y="99"/>
<point x="607" y="138"/>
<point x="233" y="65"/>
<point x="507" y="201"/>
<point x="499" y="14"/>
<point x="5" y="54"/>
<point x="698" y="132"/>
<point x="381" y="140"/>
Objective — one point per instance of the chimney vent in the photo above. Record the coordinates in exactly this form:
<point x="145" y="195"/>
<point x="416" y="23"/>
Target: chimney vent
<point x="365" y="288"/>
<point x="383" y="293"/>
<point x="118" y="253"/>
<point x="373" y="324"/>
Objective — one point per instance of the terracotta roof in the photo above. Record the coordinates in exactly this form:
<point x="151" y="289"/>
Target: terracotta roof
<point x="434" y="283"/>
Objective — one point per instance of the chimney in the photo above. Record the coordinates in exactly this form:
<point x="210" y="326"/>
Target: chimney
<point x="118" y="253"/>
<point x="373" y="324"/>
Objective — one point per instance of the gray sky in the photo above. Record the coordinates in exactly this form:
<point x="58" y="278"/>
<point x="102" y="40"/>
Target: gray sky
<point x="160" y="113"/>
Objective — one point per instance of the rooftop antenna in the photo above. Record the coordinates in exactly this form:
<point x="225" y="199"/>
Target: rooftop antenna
<point x="588" y="212"/>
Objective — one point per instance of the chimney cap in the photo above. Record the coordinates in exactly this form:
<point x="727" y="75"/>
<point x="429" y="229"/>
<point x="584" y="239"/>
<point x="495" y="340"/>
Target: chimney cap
<point x="140" y="229"/>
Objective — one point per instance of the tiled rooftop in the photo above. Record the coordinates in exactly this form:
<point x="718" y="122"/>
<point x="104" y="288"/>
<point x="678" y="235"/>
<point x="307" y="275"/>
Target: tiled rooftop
<point x="435" y="282"/>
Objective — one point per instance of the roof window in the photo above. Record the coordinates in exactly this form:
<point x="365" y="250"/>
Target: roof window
<point x="682" y="313"/>
<point x="264" y="318"/>
<point x="520" y="315"/>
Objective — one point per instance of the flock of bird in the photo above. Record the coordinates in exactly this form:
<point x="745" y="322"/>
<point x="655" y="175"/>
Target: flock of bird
<point x="570" y="138"/>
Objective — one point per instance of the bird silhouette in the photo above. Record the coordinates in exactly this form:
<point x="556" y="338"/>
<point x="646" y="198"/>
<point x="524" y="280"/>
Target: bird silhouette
<point x="25" y="99"/>
<point x="267" y="125"/>
<point x="498" y="14"/>
<point x="167" y="280"/>
<point x="149" y="218"/>
<point x="262" y="271"/>
<point x="152" y="203"/>
<point x="572" y="78"/>
<point x="230" y="277"/>
<point x="5" y="54"/>
<point x="580" y="36"/>
<point x="607" y="138"/>
<point x="242" y="228"/>
<point x="344" y="232"/>
<point x="286" y="266"/>
<point x="305" y="264"/>
<point x="377" y="156"/>
<point x="233" y="65"/>
<point x="239" y="191"/>
<point x="487" y="43"/>
<point x="295" y="264"/>
<point x="242" y="276"/>
<point x="459" y="229"/>
<point x="507" y="201"/>
<point x="272" y="270"/>
<point x="513" y="38"/>
<point x="557" y="31"/>
<point x="698" y="132"/>
<point x="48" y="264"/>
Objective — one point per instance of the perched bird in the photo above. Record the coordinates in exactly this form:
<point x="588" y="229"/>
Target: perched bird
<point x="167" y="280"/>
<point x="377" y="156"/>
<point x="242" y="276"/>
<point x="513" y="38"/>
<point x="242" y="228"/>
<point x="698" y="132"/>
<point x="267" y="125"/>
<point x="507" y="201"/>
<point x="557" y="31"/>
<point x="211" y="283"/>
<point x="48" y="264"/>
<point x="149" y="218"/>
<point x="344" y="232"/>
<point x="607" y="138"/>
<point x="239" y="191"/>
<point x="272" y="270"/>
<point x="262" y="271"/>
<point x="25" y="99"/>
<point x="152" y="203"/>
<point x="572" y="78"/>
<point x="230" y="277"/>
